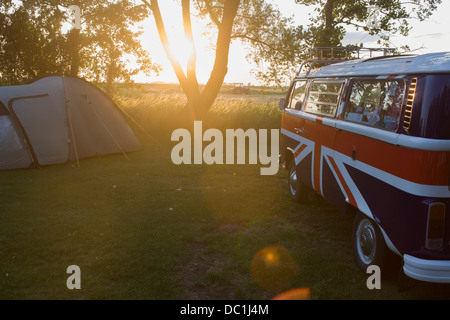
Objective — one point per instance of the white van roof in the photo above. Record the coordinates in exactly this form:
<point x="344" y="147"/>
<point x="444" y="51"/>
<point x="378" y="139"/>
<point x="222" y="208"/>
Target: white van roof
<point x="387" y="65"/>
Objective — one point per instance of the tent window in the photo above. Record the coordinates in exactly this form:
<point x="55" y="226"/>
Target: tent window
<point x="8" y="136"/>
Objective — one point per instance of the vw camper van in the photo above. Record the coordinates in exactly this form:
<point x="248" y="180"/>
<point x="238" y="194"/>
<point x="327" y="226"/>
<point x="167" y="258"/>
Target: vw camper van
<point x="372" y="137"/>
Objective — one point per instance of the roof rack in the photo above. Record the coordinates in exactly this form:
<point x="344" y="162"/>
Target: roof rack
<point x="390" y="56"/>
<point x="329" y="55"/>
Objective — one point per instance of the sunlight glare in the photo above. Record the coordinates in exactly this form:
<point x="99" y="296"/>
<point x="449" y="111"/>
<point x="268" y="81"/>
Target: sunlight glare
<point x="181" y="49"/>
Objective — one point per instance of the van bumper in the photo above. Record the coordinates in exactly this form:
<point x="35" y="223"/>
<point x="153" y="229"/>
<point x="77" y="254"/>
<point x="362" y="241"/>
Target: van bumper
<point x="427" y="270"/>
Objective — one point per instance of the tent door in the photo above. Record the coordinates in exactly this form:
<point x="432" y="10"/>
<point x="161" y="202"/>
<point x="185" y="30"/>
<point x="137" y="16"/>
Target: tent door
<point x="45" y="127"/>
<point x="13" y="151"/>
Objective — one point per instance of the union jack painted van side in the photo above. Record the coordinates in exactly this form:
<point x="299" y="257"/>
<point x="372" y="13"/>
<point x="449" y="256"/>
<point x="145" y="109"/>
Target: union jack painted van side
<point x="373" y="137"/>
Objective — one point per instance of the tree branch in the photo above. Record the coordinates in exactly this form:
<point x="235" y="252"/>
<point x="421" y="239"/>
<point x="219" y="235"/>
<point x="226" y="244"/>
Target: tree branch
<point x="220" y="68"/>
<point x="212" y="14"/>
<point x="154" y="7"/>
<point x="261" y="42"/>
<point x="191" y="65"/>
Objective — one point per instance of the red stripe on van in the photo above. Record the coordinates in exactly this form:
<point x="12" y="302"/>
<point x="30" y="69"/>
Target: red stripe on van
<point x="418" y="166"/>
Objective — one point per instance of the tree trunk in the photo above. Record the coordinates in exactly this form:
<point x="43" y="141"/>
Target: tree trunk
<point x="74" y="45"/>
<point x="191" y="89"/>
<point x="74" y="42"/>
<point x="327" y="38"/>
<point x="111" y="73"/>
<point x="220" y="68"/>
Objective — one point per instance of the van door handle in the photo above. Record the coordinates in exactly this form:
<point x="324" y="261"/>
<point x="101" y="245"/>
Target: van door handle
<point x="298" y="130"/>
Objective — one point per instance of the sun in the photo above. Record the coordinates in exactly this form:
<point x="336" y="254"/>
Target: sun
<point x="181" y="48"/>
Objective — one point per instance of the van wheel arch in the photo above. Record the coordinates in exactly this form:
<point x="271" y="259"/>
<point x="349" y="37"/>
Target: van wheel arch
<point x="288" y="157"/>
<point x="303" y="192"/>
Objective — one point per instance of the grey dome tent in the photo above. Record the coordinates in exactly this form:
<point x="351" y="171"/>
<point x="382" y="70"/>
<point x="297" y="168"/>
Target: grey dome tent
<point x="57" y="119"/>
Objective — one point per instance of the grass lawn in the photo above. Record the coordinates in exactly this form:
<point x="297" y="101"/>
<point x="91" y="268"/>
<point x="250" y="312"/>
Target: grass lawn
<point x="145" y="228"/>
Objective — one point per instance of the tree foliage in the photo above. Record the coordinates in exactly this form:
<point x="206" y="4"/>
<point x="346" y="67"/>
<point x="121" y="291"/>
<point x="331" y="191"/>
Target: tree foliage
<point x="31" y="42"/>
<point x="275" y="42"/>
<point x="376" y="17"/>
<point x="109" y="37"/>
<point x="36" y="38"/>
<point x="286" y="45"/>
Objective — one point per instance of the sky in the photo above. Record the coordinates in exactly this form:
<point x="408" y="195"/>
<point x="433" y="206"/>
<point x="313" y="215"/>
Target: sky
<point x="432" y="35"/>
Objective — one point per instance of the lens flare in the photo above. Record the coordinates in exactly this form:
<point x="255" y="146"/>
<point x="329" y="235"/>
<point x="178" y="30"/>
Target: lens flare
<point x="295" y="294"/>
<point x="273" y="268"/>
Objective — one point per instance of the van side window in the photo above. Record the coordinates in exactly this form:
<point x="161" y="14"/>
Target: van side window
<point x="377" y="103"/>
<point x="323" y="98"/>
<point x="298" y="94"/>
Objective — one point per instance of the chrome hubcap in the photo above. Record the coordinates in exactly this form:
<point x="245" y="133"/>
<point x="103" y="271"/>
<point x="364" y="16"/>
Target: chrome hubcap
<point x="366" y="241"/>
<point x="293" y="181"/>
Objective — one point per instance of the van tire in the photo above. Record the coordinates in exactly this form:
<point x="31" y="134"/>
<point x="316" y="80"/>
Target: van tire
<point x="369" y="247"/>
<point x="295" y="186"/>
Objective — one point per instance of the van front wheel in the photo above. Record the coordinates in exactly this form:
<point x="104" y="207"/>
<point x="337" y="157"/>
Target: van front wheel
<point x="294" y="184"/>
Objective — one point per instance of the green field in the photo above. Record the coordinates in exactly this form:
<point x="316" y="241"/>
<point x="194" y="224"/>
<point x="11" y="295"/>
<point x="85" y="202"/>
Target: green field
<point x="144" y="228"/>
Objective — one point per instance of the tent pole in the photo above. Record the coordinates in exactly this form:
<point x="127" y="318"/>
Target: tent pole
<point x="73" y="136"/>
<point x="70" y="123"/>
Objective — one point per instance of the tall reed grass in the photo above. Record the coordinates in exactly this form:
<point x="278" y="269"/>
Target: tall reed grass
<point x="162" y="111"/>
